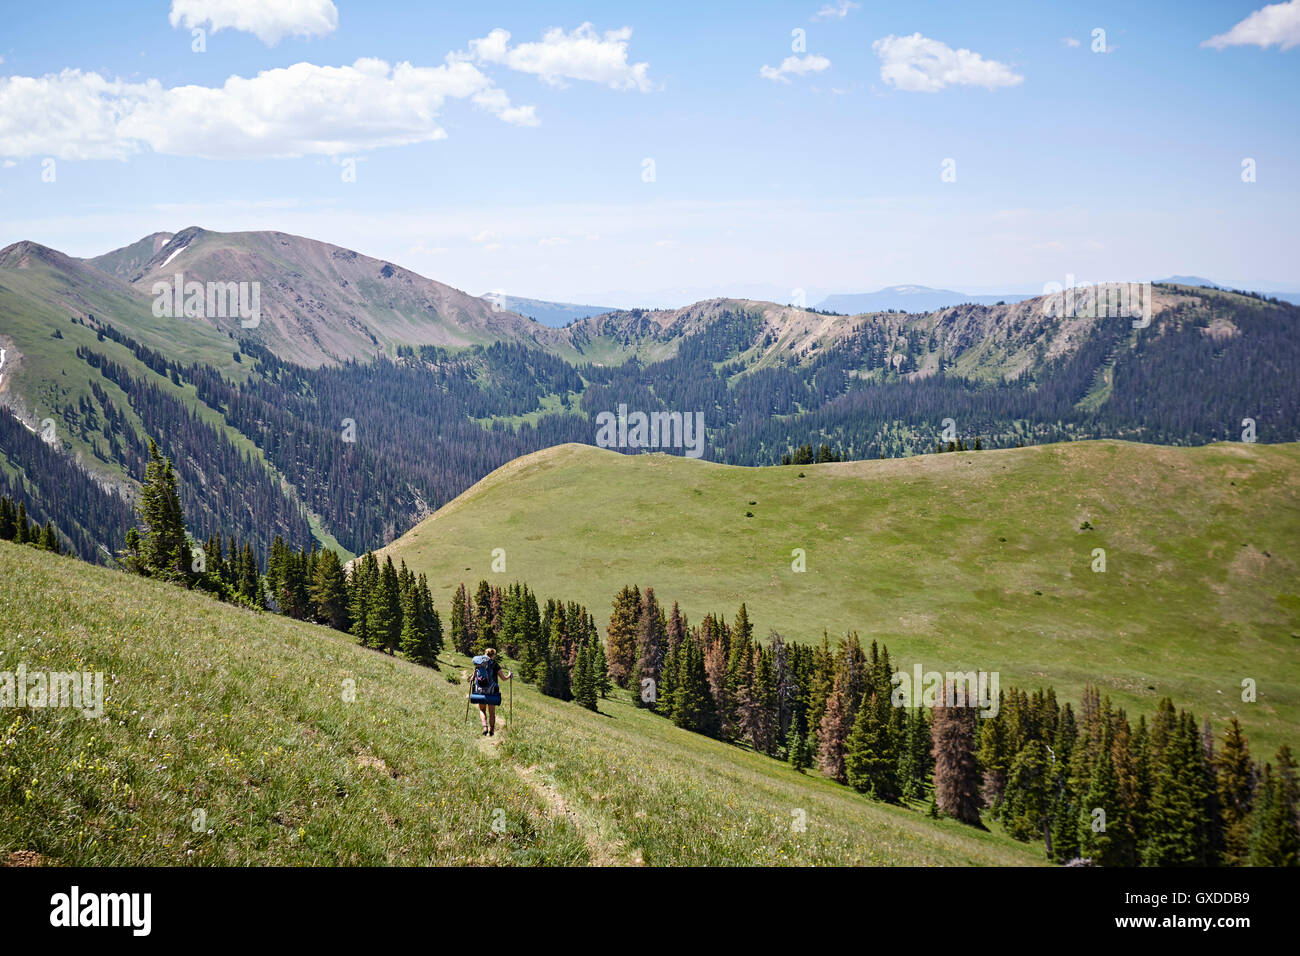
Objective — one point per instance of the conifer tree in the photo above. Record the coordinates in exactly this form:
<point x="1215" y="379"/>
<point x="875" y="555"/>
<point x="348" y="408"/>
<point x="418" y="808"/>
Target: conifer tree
<point x="462" y="623"/>
<point x="833" y="734"/>
<point x="871" y="756"/>
<point x="914" y="756"/>
<point x="49" y="540"/>
<point x="1176" y="833"/>
<point x="359" y="605"/>
<point x="164" y="547"/>
<point x="1274" y="839"/>
<point x="1235" y="779"/>
<point x="1104" y="835"/>
<point x="620" y="643"/>
<point x="584" y="677"/>
<point x="600" y="668"/>
<point x="413" y="641"/>
<point x="432" y="624"/>
<point x="8" y="523"/>
<point x="798" y="753"/>
<point x="956" y="773"/>
<point x="329" y="592"/>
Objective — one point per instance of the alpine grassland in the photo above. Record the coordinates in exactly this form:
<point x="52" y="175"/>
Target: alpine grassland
<point x="1147" y="571"/>
<point x="232" y="737"/>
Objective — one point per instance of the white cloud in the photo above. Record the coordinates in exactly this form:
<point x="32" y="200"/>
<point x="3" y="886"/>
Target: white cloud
<point x="553" y="241"/>
<point x="1070" y="42"/>
<point x="918" y="64"/>
<point x="1277" y="23"/>
<point x="839" y="10"/>
<point x="583" y="54"/>
<point x="798" y="65"/>
<point x="298" y="110"/>
<point x="268" y="20"/>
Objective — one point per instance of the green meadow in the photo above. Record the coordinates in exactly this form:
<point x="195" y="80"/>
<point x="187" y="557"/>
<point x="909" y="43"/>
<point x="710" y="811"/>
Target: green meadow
<point x="957" y="561"/>
<point x="230" y="737"/>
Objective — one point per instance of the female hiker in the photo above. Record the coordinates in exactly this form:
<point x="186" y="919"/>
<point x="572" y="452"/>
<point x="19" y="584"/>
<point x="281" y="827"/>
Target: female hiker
<point x="485" y="691"/>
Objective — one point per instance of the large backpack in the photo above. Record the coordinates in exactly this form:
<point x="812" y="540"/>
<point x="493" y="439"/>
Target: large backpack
<point x="485" y="686"/>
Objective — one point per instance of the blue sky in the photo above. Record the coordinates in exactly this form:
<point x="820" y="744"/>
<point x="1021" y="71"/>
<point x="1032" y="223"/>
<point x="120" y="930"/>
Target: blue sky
<point x="1116" y="165"/>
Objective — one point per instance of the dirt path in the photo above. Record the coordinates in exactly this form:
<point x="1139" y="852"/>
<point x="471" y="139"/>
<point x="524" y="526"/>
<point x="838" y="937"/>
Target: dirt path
<point x="603" y="852"/>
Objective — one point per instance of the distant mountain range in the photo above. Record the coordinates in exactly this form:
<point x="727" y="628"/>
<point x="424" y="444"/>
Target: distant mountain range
<point x="920" y="298"/>
<point x="552" y="314"/>
<point x="909" y="298"/>
<point x="439" y="386"/>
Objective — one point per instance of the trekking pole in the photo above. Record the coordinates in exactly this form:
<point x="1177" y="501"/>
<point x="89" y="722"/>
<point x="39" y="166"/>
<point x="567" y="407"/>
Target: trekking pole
<point x="510" y="714"/>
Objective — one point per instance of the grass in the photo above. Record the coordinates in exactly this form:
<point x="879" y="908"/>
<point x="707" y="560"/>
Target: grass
<point x="243" y="718"/>
<point x="957" y="561"/>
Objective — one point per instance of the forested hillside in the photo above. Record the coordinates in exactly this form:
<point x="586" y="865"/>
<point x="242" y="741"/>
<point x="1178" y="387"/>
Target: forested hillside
<point x="352" y="439"/>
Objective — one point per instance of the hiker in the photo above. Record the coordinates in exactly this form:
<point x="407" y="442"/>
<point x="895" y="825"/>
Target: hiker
<point x="485" y="691"/>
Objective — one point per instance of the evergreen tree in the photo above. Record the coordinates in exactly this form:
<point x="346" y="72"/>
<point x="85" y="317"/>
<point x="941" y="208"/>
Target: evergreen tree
<point x="914" y="756"/>
<point x="414" y="642"/>
<point x="800" y="758"/>
<point x="1274" y="839"/>
<point x="329" y="591"/>
<point x="584" y="677"/>
<point x="1104" y="835"/>
<point x="164" y="547"/>
<point x="463" y="637"/>
<point x="871" y="753"/>
<point x="1236" y="784"/>
<point x="956" y="773"/>
<point x="620" y="643"/>
<point x="1176" y="833"/>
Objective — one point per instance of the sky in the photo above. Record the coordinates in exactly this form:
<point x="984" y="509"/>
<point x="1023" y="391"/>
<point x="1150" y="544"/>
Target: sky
<point x="629" y="153"/>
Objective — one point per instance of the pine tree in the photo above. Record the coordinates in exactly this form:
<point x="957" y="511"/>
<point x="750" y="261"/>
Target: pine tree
<point x="1104" y="835"/>
<point x="329" y="591"/>
<point x="413" y="640"/>
<point x="800" y="758"/>
<point x="432" y="624"/>
<point x="600" y="669"/>
<point x="956" y="773"/>
<point x="1235" y="778"/>
<point x="871" y="755"/>
<point x="651" y="637"/>
<point x="914" y="756"/>
<point x="1274" y="839"/>
<point x="359" y="606"/>
<point x="1028" y="793"/>
<point x="832" y="735"/>
<point x="620" y="643"/>
<point x="164" y="546"/>
<point x="584" y="677"/>
<point x="1176" y="829"/>
<point x="8" y="522"/>
<point x="484" y="618"/>
<point x="49" y="540"/>
<point x="462" y="623"/>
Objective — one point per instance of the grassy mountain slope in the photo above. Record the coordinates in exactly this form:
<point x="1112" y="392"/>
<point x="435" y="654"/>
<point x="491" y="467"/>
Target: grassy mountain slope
<point x="126" y="263"/>
<point x="977" y="560"/>
<point x="243" y="717"/>
<point x="321" y="303"/>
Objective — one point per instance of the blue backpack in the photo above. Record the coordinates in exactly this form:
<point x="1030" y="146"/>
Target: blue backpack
<point x="485" y="689"/>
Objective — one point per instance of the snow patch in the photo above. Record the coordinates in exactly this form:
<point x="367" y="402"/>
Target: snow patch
<point x="174" y="255"/>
